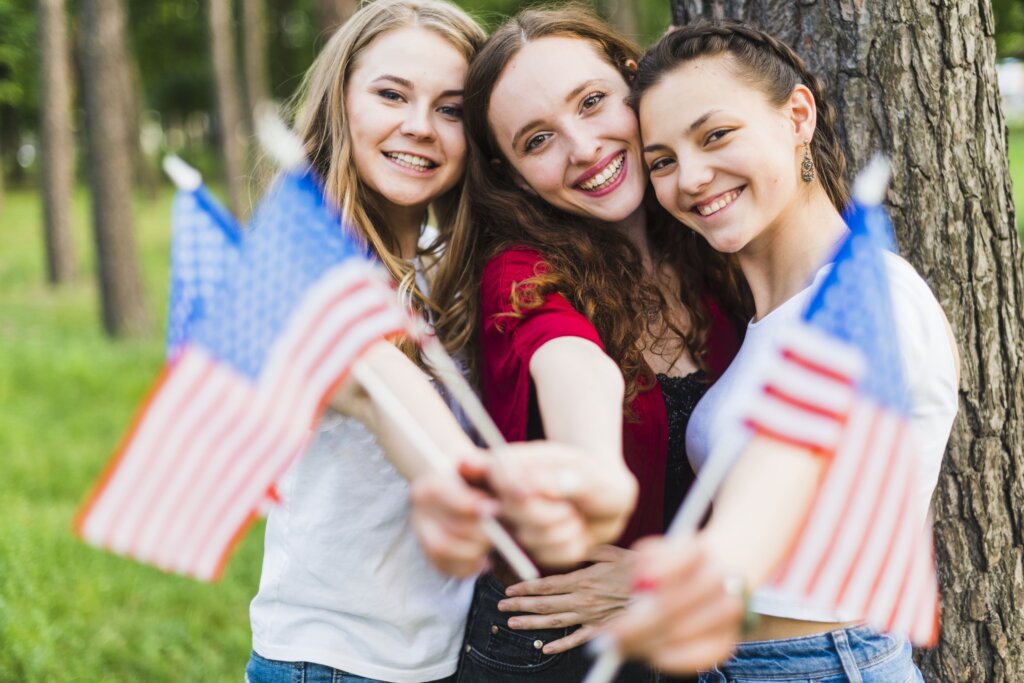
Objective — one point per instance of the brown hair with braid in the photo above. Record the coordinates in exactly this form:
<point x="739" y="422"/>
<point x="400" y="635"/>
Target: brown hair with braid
<point x="591" y="263"/>
<point x="766" y="63"/>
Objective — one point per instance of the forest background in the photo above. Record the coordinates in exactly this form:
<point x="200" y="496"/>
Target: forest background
<point x="72" y="370"/>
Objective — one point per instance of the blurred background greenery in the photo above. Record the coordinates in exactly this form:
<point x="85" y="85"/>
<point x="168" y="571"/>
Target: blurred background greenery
<point x="67" y="391"/>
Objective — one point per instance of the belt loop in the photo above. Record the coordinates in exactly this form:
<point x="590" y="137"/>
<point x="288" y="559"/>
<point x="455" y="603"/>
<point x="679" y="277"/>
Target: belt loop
<point x="845" y="652"/>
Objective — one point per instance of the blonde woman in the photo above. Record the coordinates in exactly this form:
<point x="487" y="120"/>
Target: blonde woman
<point x="347" y="591"/>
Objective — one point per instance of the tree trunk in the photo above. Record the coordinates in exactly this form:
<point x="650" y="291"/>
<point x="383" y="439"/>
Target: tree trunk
<point x="56" y="141"/>
<point x="106" y="91"/>
<point x="917" y="81"/>
<point x="231" y="129"/>
<point x="623" y="14"/>
<point x="254" y="50"/>
<point x="330" y="14"/>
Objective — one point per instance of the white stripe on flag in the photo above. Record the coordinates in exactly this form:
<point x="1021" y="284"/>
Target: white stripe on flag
<point x="821" y="523"/>
<point x="876" y="539"/>
<point x="109" y="512"/>
<point x="861" y="501"/>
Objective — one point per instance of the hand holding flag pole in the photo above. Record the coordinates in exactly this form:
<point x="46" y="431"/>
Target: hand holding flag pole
<point x="863" y="551"/>
<point x="282" y="145"/>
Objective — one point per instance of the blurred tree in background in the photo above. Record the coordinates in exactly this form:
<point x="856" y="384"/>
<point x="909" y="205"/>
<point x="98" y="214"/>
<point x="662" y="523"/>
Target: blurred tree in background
<point x="262" y="49"/>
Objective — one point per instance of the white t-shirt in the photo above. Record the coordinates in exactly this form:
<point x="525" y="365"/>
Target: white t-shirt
<point x="345" y="582"/>
<point x="930" y="370"/>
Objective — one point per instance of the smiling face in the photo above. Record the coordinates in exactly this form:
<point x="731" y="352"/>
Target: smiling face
<point x="724" y="160"/>
<point x="559" y="116"/>
<point x="404" y="105"/>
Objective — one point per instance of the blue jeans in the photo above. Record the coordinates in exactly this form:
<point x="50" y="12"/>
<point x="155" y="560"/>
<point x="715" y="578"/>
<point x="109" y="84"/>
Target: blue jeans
<point x="263" y="670"/>
<point x="494" y="653"/>
<point x="850" y="655"/>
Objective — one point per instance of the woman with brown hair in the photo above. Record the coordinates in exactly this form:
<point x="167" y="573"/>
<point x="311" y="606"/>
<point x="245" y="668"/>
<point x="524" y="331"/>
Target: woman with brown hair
<point x="741" y="141"/>
<point x="590" y="318"/>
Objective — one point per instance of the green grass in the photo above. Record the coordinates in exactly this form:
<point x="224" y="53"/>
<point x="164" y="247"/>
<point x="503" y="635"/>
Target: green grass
<point x="1016" y="153"/>
<point x="69" y="612"/>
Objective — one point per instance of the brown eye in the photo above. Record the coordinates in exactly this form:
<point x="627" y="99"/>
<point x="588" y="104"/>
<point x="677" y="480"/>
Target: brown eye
<point x="591" y="101"/>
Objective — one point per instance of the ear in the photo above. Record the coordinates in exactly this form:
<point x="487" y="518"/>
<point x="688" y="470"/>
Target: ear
<point x="631" y="66"/>
<point x="803" y="113"/>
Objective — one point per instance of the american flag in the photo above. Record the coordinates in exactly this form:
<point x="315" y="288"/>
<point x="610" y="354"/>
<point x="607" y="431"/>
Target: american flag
<point x="205" y="239"/>
<point x="236" y="407"/>
<point x="838" y="389"/>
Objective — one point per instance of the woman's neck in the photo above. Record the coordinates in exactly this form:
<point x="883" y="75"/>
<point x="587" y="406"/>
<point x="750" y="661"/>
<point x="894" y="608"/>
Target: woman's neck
<point x="405" y="224"/>
<point x="634" y="228"/>
<point x="781" y="261"/>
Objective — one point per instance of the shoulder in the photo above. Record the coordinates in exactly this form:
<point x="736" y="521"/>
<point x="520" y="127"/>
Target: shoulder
<point x="515" y="262"/>
<point x="915" y="308"/>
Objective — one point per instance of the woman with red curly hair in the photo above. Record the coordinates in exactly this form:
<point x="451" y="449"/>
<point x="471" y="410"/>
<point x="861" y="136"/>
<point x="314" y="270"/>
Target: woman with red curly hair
<point x="588" y="314"/>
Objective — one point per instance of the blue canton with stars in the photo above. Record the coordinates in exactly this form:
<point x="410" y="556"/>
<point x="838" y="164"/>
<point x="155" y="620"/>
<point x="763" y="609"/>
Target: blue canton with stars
<point x="205" y="238"/>
<point x="853" y="304"/>
<point x="294" y="237"/>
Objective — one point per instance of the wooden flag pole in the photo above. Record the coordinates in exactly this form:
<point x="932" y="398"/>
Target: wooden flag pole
<point x="414" y="433"/>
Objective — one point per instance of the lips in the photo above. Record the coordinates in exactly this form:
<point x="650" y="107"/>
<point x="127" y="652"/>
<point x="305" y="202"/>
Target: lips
<point x="603" y="175"/>
<point x="710" y="207"/>
<point x="411" y="161"/>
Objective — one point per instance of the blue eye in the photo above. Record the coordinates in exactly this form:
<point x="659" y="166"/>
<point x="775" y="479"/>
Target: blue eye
<point x="536" y="141"/>
<point x="451" y="111"/>
<point x="391" y="95"/>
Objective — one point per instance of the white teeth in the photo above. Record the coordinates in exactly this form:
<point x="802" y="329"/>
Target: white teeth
<point x="719" y="204"/>
<point x="412" y="161"/>
<point x="605" y="177"/>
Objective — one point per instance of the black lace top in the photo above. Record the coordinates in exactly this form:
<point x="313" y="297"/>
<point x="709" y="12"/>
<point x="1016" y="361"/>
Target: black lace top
<point x="681" y="396"/>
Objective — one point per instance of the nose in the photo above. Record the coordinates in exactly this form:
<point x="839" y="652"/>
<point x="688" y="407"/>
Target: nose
<point x="693" y="176"/>
<point x="584" y="149"/>
<point x="418" y="123"/>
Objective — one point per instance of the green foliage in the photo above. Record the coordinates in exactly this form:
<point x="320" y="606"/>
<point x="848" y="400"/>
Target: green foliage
<point x="1016" y="154"/>
<point x="1009" y="16"/>
<point x="69" y="612"/>
<point x="19" y="70"/>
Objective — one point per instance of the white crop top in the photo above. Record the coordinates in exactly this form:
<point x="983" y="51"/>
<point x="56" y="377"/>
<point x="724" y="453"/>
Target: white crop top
<point x="930" y="367"/>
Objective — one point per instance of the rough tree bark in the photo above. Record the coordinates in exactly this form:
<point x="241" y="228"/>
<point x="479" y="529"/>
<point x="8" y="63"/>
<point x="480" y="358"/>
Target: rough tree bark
<point x="917" y="81"/>
<point x="106" y="92"/>
<point x="56" y="141"/>
<point x="231" y="129"/>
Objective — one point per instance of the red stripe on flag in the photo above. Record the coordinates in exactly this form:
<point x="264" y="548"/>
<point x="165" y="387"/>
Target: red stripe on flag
<point x="894" y="532"/>
<point x="816" y="367"/>
<point x="121" y="450"/>
<point x="847" y="505"/>
<point x="762" y="429"/>
<point x="775" y="392"/>
<point x="872" y="526"/>
<point x="172" y="460"/>
<point x="126" y="521"/>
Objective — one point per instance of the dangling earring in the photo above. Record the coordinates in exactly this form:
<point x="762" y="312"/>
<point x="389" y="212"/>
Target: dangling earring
<point x="807" y="165"/>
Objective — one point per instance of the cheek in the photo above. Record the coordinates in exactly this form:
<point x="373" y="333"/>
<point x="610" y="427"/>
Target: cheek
<point x="667" y="191"/>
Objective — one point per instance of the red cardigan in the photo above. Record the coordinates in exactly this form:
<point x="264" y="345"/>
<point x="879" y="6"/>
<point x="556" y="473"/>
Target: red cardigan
<point x="507" y="343"/>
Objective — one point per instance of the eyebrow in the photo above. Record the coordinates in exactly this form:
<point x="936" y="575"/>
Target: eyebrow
<point x="406" y="83"/>
<point x="568" y="98"/>
<point x="692" y="127"/>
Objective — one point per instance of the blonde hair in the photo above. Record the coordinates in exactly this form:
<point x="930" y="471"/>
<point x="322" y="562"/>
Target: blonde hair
<point x="319" y="116"/>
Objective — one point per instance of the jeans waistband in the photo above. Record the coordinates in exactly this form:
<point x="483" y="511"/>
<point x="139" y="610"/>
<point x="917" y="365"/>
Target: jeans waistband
<point x="826" y="653"/>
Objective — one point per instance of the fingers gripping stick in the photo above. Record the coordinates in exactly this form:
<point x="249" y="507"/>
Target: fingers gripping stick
<point x="415" y="434"/>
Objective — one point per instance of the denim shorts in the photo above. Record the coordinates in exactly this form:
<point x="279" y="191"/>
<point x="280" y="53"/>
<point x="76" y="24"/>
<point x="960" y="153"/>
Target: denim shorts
<point x="263" y="670"/>
<point x="494" y="653"/>
<point x="851" y="655"/>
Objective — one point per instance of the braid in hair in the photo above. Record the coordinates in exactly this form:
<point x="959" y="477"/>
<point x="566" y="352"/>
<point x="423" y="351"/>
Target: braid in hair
<point x="768" y="64"/>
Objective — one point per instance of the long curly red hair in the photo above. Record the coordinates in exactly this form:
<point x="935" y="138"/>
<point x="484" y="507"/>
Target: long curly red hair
<point x="591" y="263"/>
